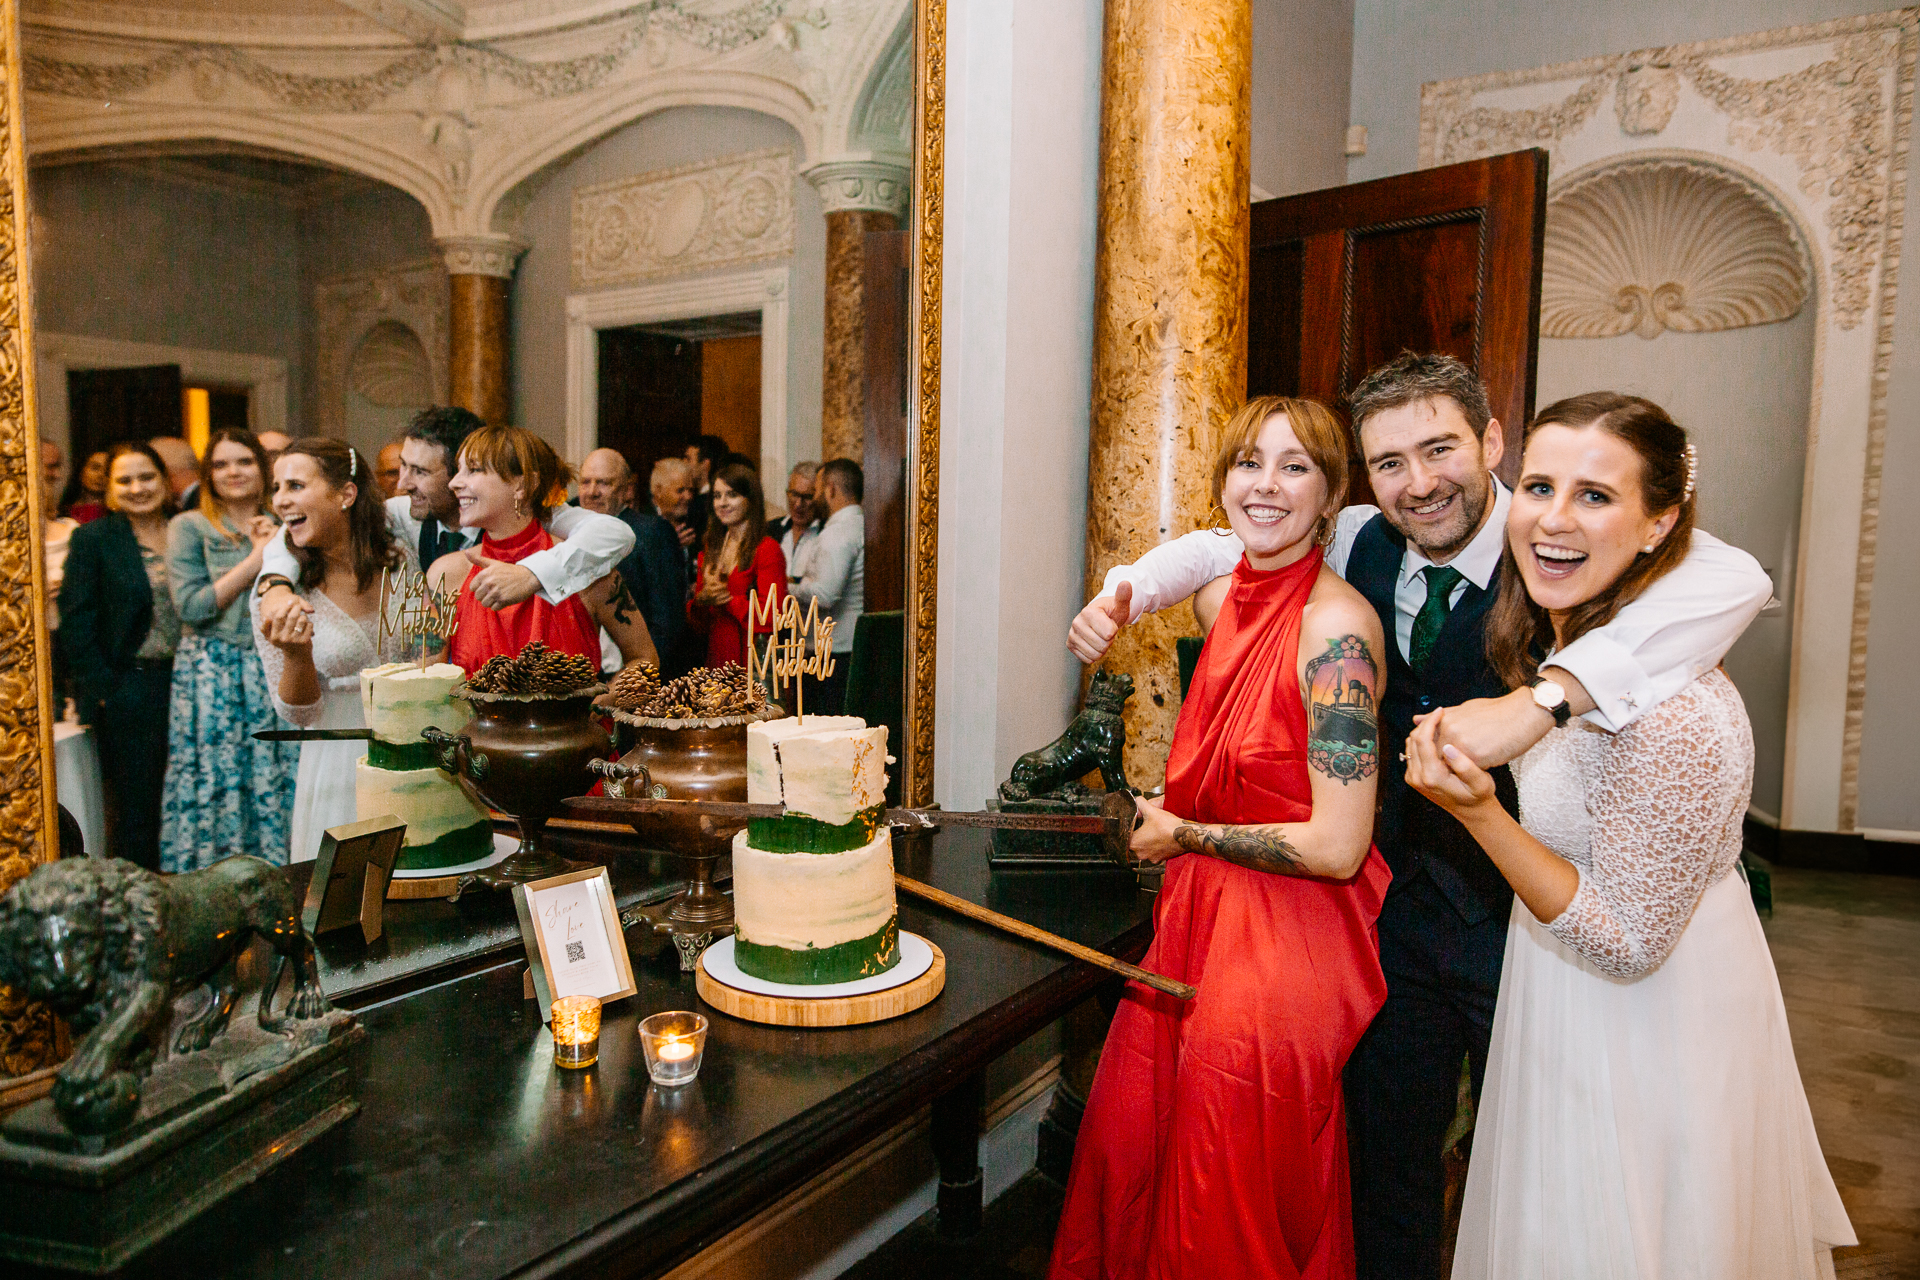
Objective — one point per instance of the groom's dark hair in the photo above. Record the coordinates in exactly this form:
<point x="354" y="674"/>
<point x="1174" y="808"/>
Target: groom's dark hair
<point x="1410" y="378"/>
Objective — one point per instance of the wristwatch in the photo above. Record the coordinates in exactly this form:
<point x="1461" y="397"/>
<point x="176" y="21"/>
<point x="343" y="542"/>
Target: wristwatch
<point x="268" y="581"/>
<point x="1550" y="698"/>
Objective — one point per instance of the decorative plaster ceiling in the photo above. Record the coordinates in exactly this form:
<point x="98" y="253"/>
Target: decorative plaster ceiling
<point x="331" y="21"/>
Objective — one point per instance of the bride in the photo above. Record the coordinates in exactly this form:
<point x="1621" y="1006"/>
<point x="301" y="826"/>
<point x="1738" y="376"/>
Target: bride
<point x="1642" y="1115"/>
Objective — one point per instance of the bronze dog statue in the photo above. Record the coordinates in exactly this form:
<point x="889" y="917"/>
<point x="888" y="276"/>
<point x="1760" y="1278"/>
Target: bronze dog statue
<point x="108" y="945"/>
<point x="1095" y="740"/>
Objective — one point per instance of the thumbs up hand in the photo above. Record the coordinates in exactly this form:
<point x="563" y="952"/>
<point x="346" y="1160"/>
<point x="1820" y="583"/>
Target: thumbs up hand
<point x="1095" y="626"/>
<point x="499" y="584"/>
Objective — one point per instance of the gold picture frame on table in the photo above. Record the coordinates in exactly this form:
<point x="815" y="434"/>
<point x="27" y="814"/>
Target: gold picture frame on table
<point x="575" y="945"/>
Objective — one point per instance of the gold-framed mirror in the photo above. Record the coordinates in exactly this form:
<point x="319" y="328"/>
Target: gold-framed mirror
<point x="408" y="120"/>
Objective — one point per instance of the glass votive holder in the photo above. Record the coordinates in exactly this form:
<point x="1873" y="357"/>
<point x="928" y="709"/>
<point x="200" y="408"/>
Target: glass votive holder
<point x="674" y="1044"/>
<point x="576" y="1031"/>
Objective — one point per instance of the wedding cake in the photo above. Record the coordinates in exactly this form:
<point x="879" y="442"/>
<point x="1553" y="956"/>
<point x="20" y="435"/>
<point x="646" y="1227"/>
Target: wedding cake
<point x="400" y="772"/>
<point x="813" y="890"/>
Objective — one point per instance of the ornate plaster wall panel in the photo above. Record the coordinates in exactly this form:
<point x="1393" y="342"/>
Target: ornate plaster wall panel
<point x="373" y="329"/>
<point x="1652" y="245"/>
<point x="459" y="125"/>
<point x="726" y="212"/>
<point x="1817" y="118"/>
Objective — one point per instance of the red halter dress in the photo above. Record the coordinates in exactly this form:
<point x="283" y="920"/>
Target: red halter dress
<point x="1215" y="1139"/>
<point x="480" y="632"/>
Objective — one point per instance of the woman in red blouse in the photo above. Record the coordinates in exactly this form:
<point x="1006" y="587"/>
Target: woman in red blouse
<point x="737" y="559"/>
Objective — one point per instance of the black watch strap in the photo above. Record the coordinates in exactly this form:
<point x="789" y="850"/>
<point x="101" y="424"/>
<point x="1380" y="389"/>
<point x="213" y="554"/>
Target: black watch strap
<point x="268" y="581"/>
<point x="1561" y="711"/>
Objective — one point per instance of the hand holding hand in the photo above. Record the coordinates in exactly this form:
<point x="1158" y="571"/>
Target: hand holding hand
<point x="1153" y="836"/>
<point x="1493" y="731"/>
<point x="1095" y="626"/>
<point x="1443" y="773"/>
<point x="278" y="605"/>
<point x="290" y="630"/>
<point x="685" y="533"/>
<point x="499" y="584"/>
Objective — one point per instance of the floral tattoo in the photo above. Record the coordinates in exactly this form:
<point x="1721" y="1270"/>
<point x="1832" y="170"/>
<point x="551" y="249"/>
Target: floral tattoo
<point x="1255" y="848"/>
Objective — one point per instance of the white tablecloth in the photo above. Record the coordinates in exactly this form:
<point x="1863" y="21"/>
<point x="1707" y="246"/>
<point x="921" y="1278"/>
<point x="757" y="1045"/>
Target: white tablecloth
<point x="76" y="775"/>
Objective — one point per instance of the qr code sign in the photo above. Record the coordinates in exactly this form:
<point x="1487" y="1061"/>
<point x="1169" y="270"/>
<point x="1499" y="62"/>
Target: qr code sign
<point x="576" y="952"/>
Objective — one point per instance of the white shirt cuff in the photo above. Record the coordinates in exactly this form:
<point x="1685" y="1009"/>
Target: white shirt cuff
<point x="1619" y="686"/>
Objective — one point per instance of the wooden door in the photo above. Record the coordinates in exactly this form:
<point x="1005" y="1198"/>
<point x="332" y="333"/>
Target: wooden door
<point x="649" y="398"/>
<point x="106" y="406"/>
<point x="884" y="450"/>
<point x="1441" y="259"/>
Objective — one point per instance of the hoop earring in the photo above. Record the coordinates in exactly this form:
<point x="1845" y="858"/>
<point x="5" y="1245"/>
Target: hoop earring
<point x="1324" y="532"/>
<point x="1217" y="520"/>
<point x="519" y="505"/>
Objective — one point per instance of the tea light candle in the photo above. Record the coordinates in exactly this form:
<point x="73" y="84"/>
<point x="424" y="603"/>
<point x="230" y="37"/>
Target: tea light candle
<point x="674" y="1044"/>
<point x="576" y="1031"/>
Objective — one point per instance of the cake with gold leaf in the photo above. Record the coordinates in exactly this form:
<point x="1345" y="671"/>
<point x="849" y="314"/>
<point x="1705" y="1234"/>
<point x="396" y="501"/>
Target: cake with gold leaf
<point x="813" y="891"/>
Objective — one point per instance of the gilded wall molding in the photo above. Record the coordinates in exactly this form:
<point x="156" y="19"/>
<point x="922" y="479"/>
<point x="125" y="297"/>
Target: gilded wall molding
<point x="1652" y="245"/>
<point x="728" y="212"/>
<point x="1819" y="119"/>
<point x="29" y="831"/>
<point x="923" y="462"/>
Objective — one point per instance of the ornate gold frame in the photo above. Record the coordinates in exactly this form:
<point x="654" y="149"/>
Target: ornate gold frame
<point x="923" y="447"/>
<point x="29" y="832"/>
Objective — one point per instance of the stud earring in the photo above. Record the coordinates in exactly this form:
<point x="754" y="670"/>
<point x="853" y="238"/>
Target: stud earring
<point x="1647" y="550"/>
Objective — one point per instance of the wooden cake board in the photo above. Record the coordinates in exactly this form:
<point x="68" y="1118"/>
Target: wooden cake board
<point x="830" y="1011"/>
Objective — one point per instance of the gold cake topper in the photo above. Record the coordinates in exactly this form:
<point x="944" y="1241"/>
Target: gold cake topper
<point x="797" y="645"/>
<point x="412" y="611"/>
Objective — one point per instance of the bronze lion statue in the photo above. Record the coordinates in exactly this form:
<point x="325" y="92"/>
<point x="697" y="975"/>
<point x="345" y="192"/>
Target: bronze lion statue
<point x="108" y="945"/>
<point x="1095" y="740"/>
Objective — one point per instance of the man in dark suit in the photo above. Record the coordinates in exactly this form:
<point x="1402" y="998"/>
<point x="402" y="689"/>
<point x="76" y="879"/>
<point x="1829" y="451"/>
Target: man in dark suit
<point x="655" y="570"/>
<point x="1429" y="560"/>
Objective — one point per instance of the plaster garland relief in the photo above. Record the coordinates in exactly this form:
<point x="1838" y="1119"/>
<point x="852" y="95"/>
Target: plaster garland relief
<point x="1648" y="246"/>
<point x="351" y="308"/>
<point x="1813" y="124"/>
<point x="721" y="213"/>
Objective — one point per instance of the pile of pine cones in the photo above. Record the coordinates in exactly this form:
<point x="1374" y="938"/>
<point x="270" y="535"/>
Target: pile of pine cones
<point x="703" y="693"/>
<point x="538" y="670"/>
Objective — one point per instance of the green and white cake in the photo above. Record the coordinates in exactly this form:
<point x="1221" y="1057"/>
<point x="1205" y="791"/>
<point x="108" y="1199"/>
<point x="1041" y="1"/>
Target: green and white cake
<point x="400" y="774"/>
<point x="813" y="891"/>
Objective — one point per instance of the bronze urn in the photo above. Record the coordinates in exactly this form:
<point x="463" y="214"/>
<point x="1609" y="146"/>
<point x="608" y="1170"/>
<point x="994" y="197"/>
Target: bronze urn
<point x="525" y="755"/>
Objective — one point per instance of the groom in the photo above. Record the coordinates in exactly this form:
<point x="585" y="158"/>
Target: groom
<point x="1429" y="561"/>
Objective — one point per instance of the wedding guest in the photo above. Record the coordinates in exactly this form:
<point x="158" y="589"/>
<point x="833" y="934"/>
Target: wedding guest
<point x="655" y="571"/>
<point x="56" y="532"/>
<point x="738" y="561"/>
<point x="800" y="516"/>
<point x="1428" y="560"/>
<point x="85" y="498"/>
<point x="118" y="630"/>
<point x="339" y="540"/>
<point x="226" y="793"/>
<point x="835" y="574"/>
<point x="671" y="486"/>
<point x="386" y="469"/>
<point x="183" y="469"/>
<point x="274" y="443"/>
<point x="1643" y="1114"/>
<point x="425" y="518"/>
<point x="1215" y="1134"/>
<point x="507" y="481"/>
<point x="706" y="455"/>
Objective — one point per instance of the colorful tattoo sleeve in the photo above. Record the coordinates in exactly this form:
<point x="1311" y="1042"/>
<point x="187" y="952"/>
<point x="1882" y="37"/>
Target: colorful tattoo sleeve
<point x="1343" y="720"/>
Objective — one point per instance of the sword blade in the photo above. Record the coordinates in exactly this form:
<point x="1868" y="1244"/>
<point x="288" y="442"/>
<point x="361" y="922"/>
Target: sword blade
<point x="314" y="735"/>
<point x="1086" y="823"/>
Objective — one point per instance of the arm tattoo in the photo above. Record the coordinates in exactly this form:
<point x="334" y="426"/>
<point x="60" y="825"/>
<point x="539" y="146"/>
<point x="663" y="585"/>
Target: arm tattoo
<point x="621" y="599"/>
<point x="1255" y="848"/>
<point x="1343" y="722"/>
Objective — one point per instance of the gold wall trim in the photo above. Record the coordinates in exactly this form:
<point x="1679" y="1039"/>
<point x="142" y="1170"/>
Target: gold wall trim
<point x="923" y="463"/>
<point x="29" y="831"/>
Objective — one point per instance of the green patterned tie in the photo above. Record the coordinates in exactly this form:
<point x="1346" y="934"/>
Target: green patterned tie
<point x="1441" y="581"/>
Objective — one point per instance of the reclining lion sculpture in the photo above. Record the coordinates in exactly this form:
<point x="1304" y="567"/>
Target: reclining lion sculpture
<point x="108" y="945"/>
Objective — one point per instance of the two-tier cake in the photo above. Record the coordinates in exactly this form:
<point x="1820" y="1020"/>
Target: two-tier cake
<point x="400" y="773"/>
<point x="813" y="891"/>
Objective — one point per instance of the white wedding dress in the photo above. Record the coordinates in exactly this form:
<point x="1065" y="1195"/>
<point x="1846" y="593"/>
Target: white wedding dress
<point x="323" y="794"/>
<point x="1643" y="1118"/>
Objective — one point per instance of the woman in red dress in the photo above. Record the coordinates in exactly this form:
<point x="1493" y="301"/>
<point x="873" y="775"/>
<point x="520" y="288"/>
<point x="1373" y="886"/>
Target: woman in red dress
<point x="737" y="560"/>
<point x="1214" y="1143"/>
<point x="507" y="482"/>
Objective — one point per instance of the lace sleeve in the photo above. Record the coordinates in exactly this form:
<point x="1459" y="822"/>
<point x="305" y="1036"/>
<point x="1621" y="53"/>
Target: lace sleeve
<point x="1666" y="809"/>
<point x="273" y="662"/>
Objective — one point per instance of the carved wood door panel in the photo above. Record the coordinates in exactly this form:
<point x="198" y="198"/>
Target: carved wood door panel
<point x="884" y="449"/>
<point x="1441" y="259"/>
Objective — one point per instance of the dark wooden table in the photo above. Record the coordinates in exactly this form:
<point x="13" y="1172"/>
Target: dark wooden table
<point x="473" y="1156"/>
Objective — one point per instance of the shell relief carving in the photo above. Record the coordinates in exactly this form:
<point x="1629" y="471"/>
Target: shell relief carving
<point x="1654" y="245"/>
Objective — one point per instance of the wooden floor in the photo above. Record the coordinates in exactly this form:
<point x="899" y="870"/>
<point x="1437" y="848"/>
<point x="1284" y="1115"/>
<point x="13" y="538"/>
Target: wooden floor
<point x="1847" y="949"/>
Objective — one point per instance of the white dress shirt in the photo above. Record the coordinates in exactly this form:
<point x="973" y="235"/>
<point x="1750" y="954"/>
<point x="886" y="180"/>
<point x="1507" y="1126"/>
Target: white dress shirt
<point x="589" y="546"/>
<point x="1678" y="629"/>
<point x="797" y="545"/>
<point x="836" y="572"/>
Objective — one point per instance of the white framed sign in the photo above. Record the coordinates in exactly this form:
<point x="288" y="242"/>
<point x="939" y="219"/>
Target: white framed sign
<point x="575" y="946"/>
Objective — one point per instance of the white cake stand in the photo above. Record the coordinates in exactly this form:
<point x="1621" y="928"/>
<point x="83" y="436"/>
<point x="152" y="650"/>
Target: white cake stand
<point x="917" y="979"/>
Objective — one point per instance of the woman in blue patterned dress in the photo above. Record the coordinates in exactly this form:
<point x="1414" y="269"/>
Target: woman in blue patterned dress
<point x="226" y="794"/>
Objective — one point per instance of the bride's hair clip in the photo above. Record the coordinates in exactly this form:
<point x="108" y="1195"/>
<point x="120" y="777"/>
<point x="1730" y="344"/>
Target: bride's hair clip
<point x="1693" y="470"/>
<point x="353" y="467"/>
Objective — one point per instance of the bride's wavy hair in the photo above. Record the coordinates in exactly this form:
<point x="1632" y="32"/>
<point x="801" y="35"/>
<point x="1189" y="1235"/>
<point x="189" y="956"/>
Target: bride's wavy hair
<point x="1519" y="632"/>
<point x="371" y="543"/>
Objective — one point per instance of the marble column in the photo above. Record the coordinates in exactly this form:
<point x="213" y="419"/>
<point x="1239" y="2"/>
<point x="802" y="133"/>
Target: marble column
<point x="858" y="196"/>
<point x="480" y="356"/>
<point x="1170" y="343"/>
